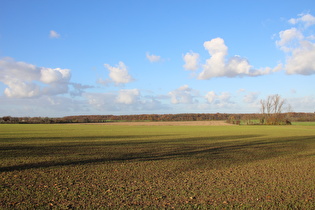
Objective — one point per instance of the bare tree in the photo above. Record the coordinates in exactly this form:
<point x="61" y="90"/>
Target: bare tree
<point x="272" y="109"/>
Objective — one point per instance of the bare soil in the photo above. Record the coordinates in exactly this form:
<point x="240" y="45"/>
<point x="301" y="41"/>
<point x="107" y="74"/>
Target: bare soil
<point x="173" y="123"/>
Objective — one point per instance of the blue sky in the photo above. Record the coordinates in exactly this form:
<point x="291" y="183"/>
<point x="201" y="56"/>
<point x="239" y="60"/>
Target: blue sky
<point x="60" y="58"/>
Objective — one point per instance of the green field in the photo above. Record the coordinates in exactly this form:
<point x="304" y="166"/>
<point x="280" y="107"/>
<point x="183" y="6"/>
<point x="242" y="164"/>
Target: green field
<point x="113" y="166"/>
<point x="304" y="123"/>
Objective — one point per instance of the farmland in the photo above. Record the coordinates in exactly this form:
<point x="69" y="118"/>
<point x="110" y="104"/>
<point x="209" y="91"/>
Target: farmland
<point x="165" y="166"/>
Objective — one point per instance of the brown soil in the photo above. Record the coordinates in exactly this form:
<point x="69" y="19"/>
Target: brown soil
<point x="172" y="123"/>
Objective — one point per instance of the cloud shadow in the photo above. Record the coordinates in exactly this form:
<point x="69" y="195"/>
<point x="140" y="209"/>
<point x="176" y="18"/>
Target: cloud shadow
<point x="229" y="150"/>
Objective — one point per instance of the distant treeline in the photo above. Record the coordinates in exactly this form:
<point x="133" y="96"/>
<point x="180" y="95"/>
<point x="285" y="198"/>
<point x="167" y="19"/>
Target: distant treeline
<point x="248" y="118"/>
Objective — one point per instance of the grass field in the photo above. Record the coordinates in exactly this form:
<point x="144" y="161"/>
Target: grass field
<point x="121" y="166"/>
<point x="304" y="123"/>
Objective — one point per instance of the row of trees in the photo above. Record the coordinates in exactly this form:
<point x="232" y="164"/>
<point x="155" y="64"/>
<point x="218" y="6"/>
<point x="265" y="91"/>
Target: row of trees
<point x="274" y="111"/>
<point x="262" y="118"/>
<point x="115" y="118"/>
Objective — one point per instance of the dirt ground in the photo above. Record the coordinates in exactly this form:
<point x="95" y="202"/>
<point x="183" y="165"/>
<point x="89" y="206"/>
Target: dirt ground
<point x="172" y="123"/>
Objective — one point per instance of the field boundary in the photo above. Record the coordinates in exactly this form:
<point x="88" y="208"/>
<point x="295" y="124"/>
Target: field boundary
<point x="170" y="123"/>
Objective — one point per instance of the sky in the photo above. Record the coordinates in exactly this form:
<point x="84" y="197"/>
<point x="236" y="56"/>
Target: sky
<point x="75" y="57"/>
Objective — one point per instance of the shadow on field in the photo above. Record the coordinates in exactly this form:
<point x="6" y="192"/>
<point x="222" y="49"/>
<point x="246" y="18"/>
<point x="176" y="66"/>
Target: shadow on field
<point x="218" y="151"/>
<point x="72" y="138"/>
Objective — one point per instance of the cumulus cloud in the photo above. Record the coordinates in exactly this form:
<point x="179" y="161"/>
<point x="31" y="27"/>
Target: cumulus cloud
<point x="297" y="42"/>
<point x="302" y="60"/>
<point x="191" y="61"/>
<point x="306" y="19"/>
<point x="225" y="96"/>
<point x="54" y="35"/>
<point x="251" y="97"/>
<point x="219" y="66"/>
<point x="183" y="95"/>
<point x="104" y="82"/>
<point x="302" y="104"/>
<point x="241" y="90"/>
<point x="300" y="49"/>
<point x="78" y="89"/>
<point x="153" y="58"/>
<point x="21" y="89"/>
<point x="126" y="100"/>
<point x="119" y="74"/>
<point x="289" y="39"/>
<point x="51" y="106"/>
<point x="102" y="101"/>
<point x="49" y="75"/>
<point x="25" y="80"/>
<point x="128" y="96"/>
<point x="211" y="96"/>
<point x="219" y="100"/>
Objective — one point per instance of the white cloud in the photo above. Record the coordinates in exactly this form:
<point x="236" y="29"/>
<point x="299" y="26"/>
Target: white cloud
<point x="153" y="58"/>
<point x="221" y="100"/>
<point x="311" y="37"/>
<point x="218" y="65"/>
<point x="299" y="48"/>
<point x="124" y="101"/>
<point x="49" y="75"/>
<point x="289" y="39"/>
<point x="238" y="66"/>
<point x="302" y="60"/>
<point x="302" y="104"/>
<point x="54" y="35"/>
<point x="210" y="96"/>
<point x="26" y="80"/>
<point x="306" y="19"/>
<point x="51" y="106"/>
<point x="267" y="70"/>
<point x="215" y="66"/>
<point x="105" y="82"/>
<point x="102" y="101"/>
<point x="183" y="95"/>
<point x="251" y="97"/>
<point x="128" y="96"/>
<point x="191" y="61"/>
<point x="119" y="74"/>
<point x="241" y="90"/>
<point x="10" y="69"/>
<point x="297" y="43"/>
<point x="225" y="97"/>
<point x="21" y="89"/>
<point x="78" y="89"/>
